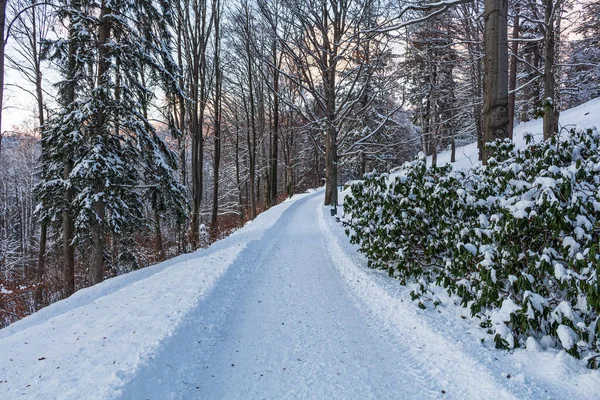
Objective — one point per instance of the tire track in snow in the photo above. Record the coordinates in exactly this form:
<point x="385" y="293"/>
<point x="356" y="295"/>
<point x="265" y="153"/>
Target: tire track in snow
<point x="173" y="369"/>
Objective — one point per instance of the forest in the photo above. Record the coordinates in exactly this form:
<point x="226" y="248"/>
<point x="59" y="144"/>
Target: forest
<point x="156" y="127"/>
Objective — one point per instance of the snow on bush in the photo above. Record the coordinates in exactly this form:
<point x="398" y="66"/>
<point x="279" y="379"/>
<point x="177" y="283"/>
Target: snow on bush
<point x="517" y="241"/>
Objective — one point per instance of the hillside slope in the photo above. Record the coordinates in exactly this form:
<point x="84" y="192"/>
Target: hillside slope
<point x="585" y="115"/>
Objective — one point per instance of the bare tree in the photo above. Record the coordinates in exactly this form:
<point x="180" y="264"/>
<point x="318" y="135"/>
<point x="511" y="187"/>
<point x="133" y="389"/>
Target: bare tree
<point x="322" y="58"/>
<point x="217" y="115"/>
<point x="196" y="37"/>
<point x="2" y="48"/>
<point x="248" y="26"/>
<point x="512" y="81"/>
<point x="30" y="28"/>
<point x="552" y="10"/>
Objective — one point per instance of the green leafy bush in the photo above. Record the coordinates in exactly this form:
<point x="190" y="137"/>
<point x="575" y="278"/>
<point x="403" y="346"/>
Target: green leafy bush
<point x="517" y="240"/>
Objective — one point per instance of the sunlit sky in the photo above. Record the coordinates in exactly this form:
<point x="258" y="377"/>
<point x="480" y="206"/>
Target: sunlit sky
<point x="18" y="105"/>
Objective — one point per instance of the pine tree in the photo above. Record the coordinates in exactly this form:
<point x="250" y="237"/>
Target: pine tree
<point x="61" y="135"/>
<point x="103" y="129"/>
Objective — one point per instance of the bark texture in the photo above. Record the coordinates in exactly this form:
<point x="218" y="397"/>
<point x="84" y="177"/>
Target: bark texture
<point x="495" y="81"/>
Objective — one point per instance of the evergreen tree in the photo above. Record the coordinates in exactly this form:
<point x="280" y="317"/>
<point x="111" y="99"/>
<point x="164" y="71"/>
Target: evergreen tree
<point x="61" y="136"/>
<point x="103" y="129"/>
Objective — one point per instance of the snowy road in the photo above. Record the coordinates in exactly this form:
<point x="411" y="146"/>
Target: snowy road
<point x="287" y="328"/>
<point x="283" y="308"/>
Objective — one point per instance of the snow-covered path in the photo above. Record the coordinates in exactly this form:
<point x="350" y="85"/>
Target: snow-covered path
<point x="283" y="308"/>
<point x="287" y="328"/>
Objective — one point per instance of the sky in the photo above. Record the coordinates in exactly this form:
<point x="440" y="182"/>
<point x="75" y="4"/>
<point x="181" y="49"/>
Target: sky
<point x="18" y="105"/>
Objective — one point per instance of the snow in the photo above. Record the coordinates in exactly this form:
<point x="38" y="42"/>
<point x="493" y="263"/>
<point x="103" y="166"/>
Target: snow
<point x="500" y="316"/>
<point x="563" y="310"/>
<point x="111" y="329"/>
<point x="560" y="272"/>
<point x="583" y="221"/>
<point x="532" y="345"/>
<point x="471" y="248"/>
<point x="567" y="337"/>
<point x="572" y="244"/>
<point x="518" y="210"/>
<point x="544" y="182"/>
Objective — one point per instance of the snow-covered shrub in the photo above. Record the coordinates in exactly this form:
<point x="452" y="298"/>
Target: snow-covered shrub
<point x="518" y="240"/>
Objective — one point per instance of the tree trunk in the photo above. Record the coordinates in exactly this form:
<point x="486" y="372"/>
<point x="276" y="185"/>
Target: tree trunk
<point x="197" y="161"/>
<point x="275" y="140"/>
<point x="180" y="108"/>
<point x="512" y="81"/>
<point x="198" y="87"/>
<point x="527" y="91"/>
<point x="217" y="123"/>
<point x="495" y="83"/>
<point x="551" y="8"/>
<point x="238" y="180"/>
<point x="2" y="45"/>
<point x="262" y="194"/>
<point x="68" y="227"/>
<point x="216" y="164"/>
<point x="160" y="248"/>
<point x="331" y="134"/>
<point x="97" y="228"/>
<point x="426" y="135"/>
<point x="363" y="165"/>
<point x="97" y="248"/>
<point x="68" y="232"/>
<point x="40" y="103"/>
<point x="475" y="76"/>
<point x="477" y="111"/>
<point x="331" y="167"/>
<point x="434" y="135"/>
<point x="289" y="167"/>
<point x="39" y="290"/>
<point x="251" y="140"/>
